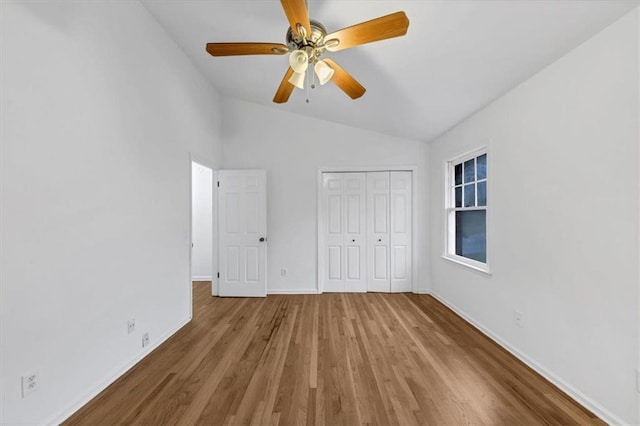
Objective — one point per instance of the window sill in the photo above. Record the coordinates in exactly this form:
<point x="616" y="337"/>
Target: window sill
<point x="484" y="271"/>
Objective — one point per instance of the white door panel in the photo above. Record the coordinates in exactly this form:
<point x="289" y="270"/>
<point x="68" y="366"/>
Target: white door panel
<point x="335" y="214"/>
<point x="380" y="266"/>
<point x="366" y="225"/>
<point x="335" y="263"/>
<point x="242" y="202"/>
<point x="401" y="232"/>
<point x="378" y="260"/>
<point x="334" y="278"/>
<point x="344" y="207"/>
<point x="355" y="238"/>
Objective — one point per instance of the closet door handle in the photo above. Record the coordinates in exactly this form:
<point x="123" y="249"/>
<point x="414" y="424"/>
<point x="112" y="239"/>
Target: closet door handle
<point x="353" y="241"/>
<point x="379" y="240"/>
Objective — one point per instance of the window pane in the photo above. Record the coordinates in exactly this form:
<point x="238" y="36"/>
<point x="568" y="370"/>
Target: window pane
<point x="469" y="171"/>
<point x="459" y="196"/>
<point x="470" y="195"/>
<point x="482" y="193"/>
<point x="471" y="234"/>
<point x="481" y="166"/>
<point x="458" y="174"/>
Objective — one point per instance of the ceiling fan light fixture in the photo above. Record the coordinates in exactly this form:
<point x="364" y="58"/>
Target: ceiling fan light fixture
<point x="323" y="71"/>
<point x="297" y="79"/>
<point x="299" y="61"/>
<point x="307" y="40"/>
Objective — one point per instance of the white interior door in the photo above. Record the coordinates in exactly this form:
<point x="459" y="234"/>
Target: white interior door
<point x="401" y="231"/>
<point x="378" y="253"/>
<point x="344" y="228"/>
<point x="242" y="216"/>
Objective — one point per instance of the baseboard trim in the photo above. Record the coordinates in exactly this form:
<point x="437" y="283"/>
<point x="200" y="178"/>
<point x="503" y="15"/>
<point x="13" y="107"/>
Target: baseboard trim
<point x="293" y="291"/>
<point x="578" y="396"/>
<point x="201" y="278"/>
<point x="112" y="377"/>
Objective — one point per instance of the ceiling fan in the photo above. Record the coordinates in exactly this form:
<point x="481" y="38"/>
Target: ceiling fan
<point x="308" y="39"/>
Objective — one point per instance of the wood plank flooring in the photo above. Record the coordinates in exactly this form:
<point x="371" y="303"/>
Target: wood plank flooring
<point x="330" y="359"/>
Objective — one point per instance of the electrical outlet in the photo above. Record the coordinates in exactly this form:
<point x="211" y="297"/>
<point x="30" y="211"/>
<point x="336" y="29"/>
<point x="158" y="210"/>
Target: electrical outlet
<point x="131" y="325"/>
<point x="29" y="384"/>
<point x="145" y="339"/>
<point x="517" y="318"/>
<point x="283" y="272"/>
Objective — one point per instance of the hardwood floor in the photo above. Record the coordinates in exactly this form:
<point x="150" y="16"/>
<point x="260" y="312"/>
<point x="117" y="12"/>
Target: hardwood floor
<point x="387" y="359"/>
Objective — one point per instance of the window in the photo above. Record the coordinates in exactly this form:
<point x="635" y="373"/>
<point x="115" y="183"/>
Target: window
<point x="466" y="203"/>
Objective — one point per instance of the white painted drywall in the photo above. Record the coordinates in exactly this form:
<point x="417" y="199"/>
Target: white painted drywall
<point x="202" y="221"/>
<point x="100" y="111"/>
<point x="292" y="148"/>
<point x="638" y="364"/>
<point x="563" y="228"/>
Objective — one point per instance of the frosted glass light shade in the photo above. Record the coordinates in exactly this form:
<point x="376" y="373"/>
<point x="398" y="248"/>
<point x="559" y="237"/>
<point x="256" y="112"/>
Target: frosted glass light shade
<point x="299" y="61"/>
<point x="323" y="71"/>
<point x="297" y="79"/>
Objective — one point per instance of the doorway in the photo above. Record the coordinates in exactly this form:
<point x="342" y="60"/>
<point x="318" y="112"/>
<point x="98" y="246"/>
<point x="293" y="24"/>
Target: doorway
<point x="202" y="226"/>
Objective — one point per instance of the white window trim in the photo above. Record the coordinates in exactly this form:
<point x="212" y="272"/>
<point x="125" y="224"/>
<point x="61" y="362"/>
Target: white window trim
<point x="449" y="221"/>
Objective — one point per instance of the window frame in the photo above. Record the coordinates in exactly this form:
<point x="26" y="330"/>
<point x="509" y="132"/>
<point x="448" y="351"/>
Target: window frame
<point x="449" y="252"/>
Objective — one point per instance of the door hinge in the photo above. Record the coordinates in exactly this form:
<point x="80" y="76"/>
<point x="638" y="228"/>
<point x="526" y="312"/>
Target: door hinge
<point x="218" y="184"/>
<point x="218" y="274"/>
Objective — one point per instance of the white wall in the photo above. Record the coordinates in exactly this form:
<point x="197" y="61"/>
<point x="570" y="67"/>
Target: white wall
<point x="202" y="222"/>
<point x="257" y="137"/>
<point x="563" y="227"/>
<point x="638" y="393"/>
<point x="100" y="110"/>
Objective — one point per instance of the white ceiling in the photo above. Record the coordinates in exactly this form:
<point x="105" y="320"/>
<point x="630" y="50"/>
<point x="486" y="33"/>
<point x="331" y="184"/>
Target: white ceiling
<point x="456" y="57"/>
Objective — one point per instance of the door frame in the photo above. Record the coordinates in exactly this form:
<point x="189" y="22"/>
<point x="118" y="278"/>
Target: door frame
<point x="355" y="169"/>
<point x="196" y="158"/>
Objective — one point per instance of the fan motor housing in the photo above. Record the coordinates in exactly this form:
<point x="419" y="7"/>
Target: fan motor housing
<point x="318" y="32"/>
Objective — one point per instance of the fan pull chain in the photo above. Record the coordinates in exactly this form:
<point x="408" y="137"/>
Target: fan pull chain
<point x="308" y="86"/>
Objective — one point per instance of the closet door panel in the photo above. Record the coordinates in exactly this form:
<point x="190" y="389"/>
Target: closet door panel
<point x="335" y="263"/>
<point x="401" y="232"/>
<point x="380" y="265"/>
<point x="333" y="268"/>
<point x="378" y="260"/>
<point x="355" y="237"/>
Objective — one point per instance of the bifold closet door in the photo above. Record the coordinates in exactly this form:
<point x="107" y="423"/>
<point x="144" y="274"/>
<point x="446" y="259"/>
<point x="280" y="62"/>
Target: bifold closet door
<point x="378" y="253"/>
<point x="389" y="223"/>
<point x="344" y="229"/>
<point x="400" y="235"/>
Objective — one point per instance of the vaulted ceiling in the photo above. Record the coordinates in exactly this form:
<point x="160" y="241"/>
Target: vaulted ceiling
<point x="456" y="57"/>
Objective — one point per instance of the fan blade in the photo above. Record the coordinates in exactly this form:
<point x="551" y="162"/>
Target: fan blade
<point x="297" y="13"/>
<point x="285" y="89"/>
<point x="389" y="26"/>
<point x="234" y="49"/>
<point x="344" y="81"/>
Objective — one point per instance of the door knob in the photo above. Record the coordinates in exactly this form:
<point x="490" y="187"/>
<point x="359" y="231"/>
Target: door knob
<point x="262" y="239"/>
<point x="379" y="240"/>
<point x="353" y="241"/>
